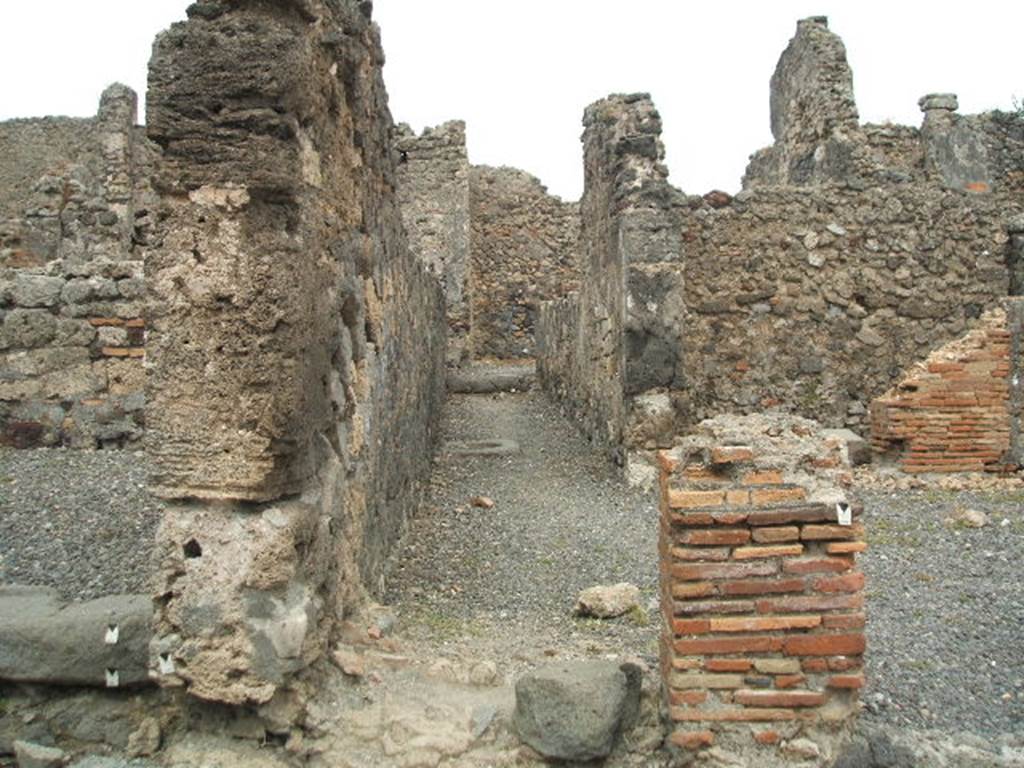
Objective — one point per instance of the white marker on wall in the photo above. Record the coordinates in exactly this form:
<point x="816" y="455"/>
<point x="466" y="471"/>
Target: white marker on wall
<point x="113" y="632"/>
<point x="844" y="513"/>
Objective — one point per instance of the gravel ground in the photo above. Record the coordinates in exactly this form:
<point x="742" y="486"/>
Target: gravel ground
<point x="562" y="521"/>
<point x="79" y="521"/>
<point x="945" y="602"/>
<point x="945" y="611"/>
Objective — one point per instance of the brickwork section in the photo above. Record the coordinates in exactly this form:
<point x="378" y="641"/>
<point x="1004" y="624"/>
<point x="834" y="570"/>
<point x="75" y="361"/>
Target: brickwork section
<point x="762" y="599"/>
<point x="75" y="219"/>
<point x="952" y="413"/>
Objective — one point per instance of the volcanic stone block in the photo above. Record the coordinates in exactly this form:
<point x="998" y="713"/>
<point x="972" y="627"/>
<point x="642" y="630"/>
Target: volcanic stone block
<point x="101" y="643"/>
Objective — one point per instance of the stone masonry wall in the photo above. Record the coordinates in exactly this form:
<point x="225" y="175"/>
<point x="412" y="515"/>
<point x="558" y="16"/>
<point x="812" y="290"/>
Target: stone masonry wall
<point x="953" y="412"/>
<point x="763" y="605"/>
<point x="853" y="251"/>
<point x="75" y="213"/>
<point x="434" y="191"/>
<point x="621" y="336"/>
<point x="524" y="251"/>
<point x="818" y="298"/>
<point x="297" y="344"/>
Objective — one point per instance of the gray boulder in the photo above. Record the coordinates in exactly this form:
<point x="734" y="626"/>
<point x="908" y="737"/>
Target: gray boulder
<point x="31" y="755"/>
<point x="100" y="643"/>
<point x="576" y="710"/>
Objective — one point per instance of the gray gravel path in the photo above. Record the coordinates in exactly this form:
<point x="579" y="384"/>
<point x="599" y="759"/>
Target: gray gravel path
<point x="79" y="521"/>
<point x="945" y="603"/>
<point x="945" y="611"/>
<point x="562" y="521"/>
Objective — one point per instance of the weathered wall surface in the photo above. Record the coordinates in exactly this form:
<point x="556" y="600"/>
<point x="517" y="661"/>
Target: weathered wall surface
<point x="620" y="338"/>
<point x="817" y="298"/>
<point x="818" y="138"/>
<point x="433" y="187"/>
<point x="296" y="342"/>
<point x="813" y="113"/>
<point x="853" y="252"/>
<point x="762" y="600"/>
<point x="954" y="412"/>
<point x="75" y="210"/>
<point x="524" y="251"/>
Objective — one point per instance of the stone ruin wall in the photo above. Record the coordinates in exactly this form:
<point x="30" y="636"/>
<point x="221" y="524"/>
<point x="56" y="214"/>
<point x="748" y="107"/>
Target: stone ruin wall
<point x="601" y="352"/>
<point x="296" y="344"/>
<point x="525" y="251"/>
<point x="763" y="618"/>
<point x="500" y="243"/>
<point x="816" y="299"/>
<point x="433" y="189"/>
<point x="833" y="270"/>
<point x="76" y="213"/>
<point x="813" y="288"/>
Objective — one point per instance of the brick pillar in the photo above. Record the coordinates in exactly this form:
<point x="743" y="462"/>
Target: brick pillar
<point x="762" y="600"/>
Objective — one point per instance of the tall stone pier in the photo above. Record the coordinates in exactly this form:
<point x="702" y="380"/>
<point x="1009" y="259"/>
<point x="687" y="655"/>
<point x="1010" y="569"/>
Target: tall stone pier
<point x="296" y="346"/>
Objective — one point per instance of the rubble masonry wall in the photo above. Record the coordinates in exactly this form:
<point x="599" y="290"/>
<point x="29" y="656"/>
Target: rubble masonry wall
<point x="525" y="251"/>
<point x="433" y="187"/>
<point x="75" y="212"/>
<point x="621" y="335"/>
<point x="296" y="343"/>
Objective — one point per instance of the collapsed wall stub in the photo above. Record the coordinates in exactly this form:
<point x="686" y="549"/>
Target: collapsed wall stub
<point x="813" y="113"/>
<point x="819" y="139"/>
<point x="605" y="349"/>
<point x="75" y="217"/>
<point x="433" y="189"/>
<point x="296" y="344"/>
<point x="762" y="601"/>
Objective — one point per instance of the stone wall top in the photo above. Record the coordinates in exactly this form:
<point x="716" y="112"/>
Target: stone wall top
<point x="812" y="86"/>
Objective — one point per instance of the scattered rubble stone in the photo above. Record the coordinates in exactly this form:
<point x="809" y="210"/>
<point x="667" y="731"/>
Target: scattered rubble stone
<point x="576" y="710"/>
<point x="608" y="602"/>
<point x="31" y="755"/>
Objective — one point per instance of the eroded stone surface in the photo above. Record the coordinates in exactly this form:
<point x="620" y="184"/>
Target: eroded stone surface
<point x="297" y="344"/>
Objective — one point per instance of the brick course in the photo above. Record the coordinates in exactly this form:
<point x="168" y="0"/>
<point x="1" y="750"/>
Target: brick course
<point x="758" y="633"/>
<point x="952" y="413"/>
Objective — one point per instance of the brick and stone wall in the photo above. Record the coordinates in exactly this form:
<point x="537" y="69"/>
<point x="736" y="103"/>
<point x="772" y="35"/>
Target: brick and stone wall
<point x="818" y="298"/>
<point x="852" y="252"/>
<point x="433" y="189"/>
<point x="524" y="251"/>
<point x="954" y="411"/>
<point x="75" y="216"/>
<point x="609" y="348"/>
<point x="296" y="343"/>
<point x="762" y="599"/>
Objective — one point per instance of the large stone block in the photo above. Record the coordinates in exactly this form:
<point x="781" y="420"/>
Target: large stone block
<point x="103" y="642"/>
<point x="576" y="710"/>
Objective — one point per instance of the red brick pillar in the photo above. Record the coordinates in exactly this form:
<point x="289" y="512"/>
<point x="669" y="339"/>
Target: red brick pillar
<point x="763" y="630"/>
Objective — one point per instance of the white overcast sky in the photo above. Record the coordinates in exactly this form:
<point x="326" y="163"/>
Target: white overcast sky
<point x="520" y="72"/>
